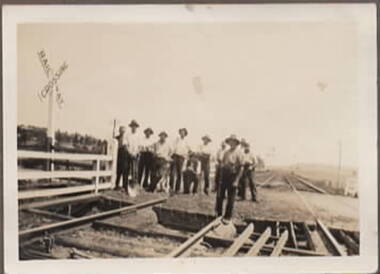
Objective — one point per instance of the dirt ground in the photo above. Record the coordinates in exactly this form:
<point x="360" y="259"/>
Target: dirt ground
<point x="276" y="201"/>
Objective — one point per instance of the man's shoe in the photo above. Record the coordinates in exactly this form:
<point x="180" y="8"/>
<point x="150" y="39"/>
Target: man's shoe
<point x="226" y="221"/>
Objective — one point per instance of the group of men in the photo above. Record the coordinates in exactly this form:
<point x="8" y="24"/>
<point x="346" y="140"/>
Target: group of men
<point x="157" y="165"/>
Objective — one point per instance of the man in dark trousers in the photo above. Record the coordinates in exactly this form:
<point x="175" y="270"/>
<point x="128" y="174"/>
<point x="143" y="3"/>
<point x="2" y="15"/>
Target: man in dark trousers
<point x="191" y="174"/>
<point x="161" y="160"/>
<point x="248" y="173"/>
<point x="133" y="147"/>
<point x="180" y="152"/>
<point x="122" y="157"/>
<point x="146" y="157"/>
<point x="204" y="155"/>
<point x="231" y="172"/>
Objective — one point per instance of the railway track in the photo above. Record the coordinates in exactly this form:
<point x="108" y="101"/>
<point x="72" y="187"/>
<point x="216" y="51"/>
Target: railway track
<point x="73" y="232"/>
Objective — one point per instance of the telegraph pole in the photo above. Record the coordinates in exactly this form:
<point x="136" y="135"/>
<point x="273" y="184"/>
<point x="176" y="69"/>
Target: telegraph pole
<point x="339" y="161"/>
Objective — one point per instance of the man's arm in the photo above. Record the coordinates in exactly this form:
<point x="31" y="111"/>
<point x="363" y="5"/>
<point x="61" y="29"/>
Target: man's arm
<point x="238" y="176"/>
<point x="240" y="165"/>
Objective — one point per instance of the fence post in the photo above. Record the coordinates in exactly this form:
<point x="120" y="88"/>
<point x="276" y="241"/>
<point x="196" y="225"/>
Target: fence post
<point x="112" y="150"/>
<point x="97" y="168"/>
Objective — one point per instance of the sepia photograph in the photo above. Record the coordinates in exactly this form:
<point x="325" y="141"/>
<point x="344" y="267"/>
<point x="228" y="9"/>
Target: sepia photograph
<point x="212" y="131"/>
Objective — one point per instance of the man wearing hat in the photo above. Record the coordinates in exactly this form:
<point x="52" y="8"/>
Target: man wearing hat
<point x="122" y="156"/>
<point x="248" y="173"/>
<point x="180" y="151"/>
<point x="133" y="146"/>
<point x="146" y="157"/>
<point x="161" y="160"/>
<point x="231" y="172"/>
<point x="204" y="155"/>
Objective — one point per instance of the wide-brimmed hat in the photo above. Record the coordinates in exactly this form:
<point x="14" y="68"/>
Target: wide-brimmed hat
<point x="148" y="130"/>
<point x="206" y="137"/>
<point x="163" y="133"/>
<point x="232" y="137"/>
<point x="183" y="129"/>
<point x="243" y="142"/>
<point x="133" y="123"/>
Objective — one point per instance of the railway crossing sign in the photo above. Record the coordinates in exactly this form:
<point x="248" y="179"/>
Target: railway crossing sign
<point x="51" y="86"/>
<point x="52" y="91"/>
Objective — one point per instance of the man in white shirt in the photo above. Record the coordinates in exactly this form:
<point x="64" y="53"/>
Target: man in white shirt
<point x="180" y="152"/>
<point x="133" y="146"/>
<point x="231" y="172"/>
<point x="146" y="157"/>
<point x="219" y="158"/>
<point x="204" y="155"/>
<point x="161" y="160"/>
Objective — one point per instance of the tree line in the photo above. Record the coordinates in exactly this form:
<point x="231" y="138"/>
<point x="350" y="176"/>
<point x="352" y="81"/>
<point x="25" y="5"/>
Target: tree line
<point x="32" y="137"/>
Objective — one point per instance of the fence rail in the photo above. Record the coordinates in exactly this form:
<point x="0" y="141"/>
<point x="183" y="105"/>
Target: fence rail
<point x="33" y="175"/>
<point x="110" y="160"/>
<point x="27" y="154"/>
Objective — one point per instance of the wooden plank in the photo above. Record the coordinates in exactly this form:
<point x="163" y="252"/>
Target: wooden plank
<point x="309" y="239"/>
<point x="239" y="242"/>
<point x="60" y="191"/>
<point x="35" y="175"/>
<point x="115" y="199"/>
<point x="293" y="235"/>
<point x="188" y="251"/>
<point x="256" y="235"/>
<point x="280" y="244"/>
<point x="353" y="247"/>
<point x="303" y="181"/>
<point x="48" y="214"/>
<point x="85" y="219"/>
<point x="60" y="201"/>
<point x="255" y="249"/>
<point x="182" y="248"/>
<point x="337" y="248"/>
<point x="75" y="252"/>
<point x="27" y="154"/>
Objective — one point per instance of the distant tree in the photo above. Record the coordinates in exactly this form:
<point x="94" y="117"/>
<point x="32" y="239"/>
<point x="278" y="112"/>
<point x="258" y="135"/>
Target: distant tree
<point x="58" y="136"/>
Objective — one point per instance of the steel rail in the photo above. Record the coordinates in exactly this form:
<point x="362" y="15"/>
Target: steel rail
<point x="78" y="221"/>
<point x="194" y="239"/>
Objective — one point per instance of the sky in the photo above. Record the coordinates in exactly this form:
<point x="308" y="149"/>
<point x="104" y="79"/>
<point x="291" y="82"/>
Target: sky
<point x="289" y="88"/>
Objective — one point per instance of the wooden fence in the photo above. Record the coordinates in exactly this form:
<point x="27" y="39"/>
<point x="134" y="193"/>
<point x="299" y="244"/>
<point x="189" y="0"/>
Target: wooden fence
<point x="110" y="172"/>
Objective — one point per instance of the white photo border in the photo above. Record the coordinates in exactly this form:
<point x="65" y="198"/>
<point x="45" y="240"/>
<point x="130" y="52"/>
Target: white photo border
<point x="364" y="16"/>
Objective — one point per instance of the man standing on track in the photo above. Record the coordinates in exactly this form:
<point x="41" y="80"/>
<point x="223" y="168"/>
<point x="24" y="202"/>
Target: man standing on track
<point x="161" y="160"/>
<point x="180" y="152"/>
<point x="204" y="155"/>
<point x="231" y="172"/>
<point x="133" y="147"/>
<point x="146" y="157"/>
<point x="122" y="156"/>
<point x="248" y="173"/>
<point x="219" y="158"/>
